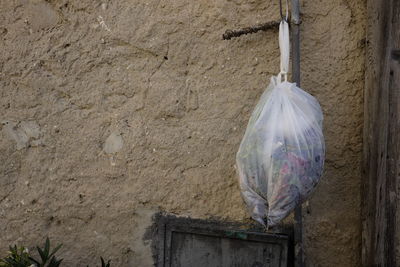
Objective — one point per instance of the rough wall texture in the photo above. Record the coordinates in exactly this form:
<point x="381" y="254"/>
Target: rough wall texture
<point x="113" y="110"/>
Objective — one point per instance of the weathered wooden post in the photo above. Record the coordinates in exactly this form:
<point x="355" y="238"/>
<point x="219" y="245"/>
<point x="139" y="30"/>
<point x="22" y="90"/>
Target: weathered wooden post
<point x="381" y="167"/>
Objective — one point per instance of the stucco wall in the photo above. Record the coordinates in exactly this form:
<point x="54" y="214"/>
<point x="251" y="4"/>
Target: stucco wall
<point x="114" y="110"/>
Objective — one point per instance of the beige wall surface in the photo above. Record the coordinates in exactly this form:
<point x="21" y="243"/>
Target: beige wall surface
<point x="114" y="110"/>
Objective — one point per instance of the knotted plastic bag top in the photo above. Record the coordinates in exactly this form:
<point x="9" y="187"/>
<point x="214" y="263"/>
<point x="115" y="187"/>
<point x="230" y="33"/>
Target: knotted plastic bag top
<point x="281" y="157"/>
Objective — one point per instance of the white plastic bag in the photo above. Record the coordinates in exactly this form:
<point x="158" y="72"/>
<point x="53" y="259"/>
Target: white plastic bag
<point x="281" y="157"/>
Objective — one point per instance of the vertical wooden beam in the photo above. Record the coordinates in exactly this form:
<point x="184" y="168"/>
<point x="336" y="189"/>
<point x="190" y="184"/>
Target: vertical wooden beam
<point x="381" y="157"/>
<point x="295" y="32"/>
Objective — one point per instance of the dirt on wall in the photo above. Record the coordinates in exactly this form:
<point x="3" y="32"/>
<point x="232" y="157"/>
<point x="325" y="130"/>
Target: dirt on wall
<point x="114" y="110"/>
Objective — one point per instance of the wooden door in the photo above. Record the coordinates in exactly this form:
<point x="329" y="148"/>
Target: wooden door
<point x="381" y="168"/>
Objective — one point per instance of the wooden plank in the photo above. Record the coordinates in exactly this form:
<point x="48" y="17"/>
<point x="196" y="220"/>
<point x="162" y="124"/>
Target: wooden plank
<point x="381" y="143"/>
<point x="394" y="138"/>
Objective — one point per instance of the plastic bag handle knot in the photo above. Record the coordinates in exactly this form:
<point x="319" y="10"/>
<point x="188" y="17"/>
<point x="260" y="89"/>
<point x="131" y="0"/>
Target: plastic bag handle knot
<point x="284" y="46"/>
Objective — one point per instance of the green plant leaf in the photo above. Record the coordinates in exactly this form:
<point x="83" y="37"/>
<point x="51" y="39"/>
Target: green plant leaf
<point x="10" y="261"/>
<point x="54" y="262"/>
<point x="42" y="256"/>
<point x="55" y="250"/>
<point x="17" y="257"/>
<point x="103" y="263"/>
<point x="47" y="248"/>
<point x="34" y="261"/>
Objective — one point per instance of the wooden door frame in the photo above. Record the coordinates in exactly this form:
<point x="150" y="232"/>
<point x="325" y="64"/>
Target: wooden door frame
<point x="381" y="140"/>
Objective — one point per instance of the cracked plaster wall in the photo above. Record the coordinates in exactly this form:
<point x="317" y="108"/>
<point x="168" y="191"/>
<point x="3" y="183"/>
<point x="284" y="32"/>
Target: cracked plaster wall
<point x="114" y="110"/>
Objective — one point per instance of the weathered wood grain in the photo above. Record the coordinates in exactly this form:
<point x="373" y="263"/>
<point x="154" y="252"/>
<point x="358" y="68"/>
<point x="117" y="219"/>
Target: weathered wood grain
<point x="381" y="141"/>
